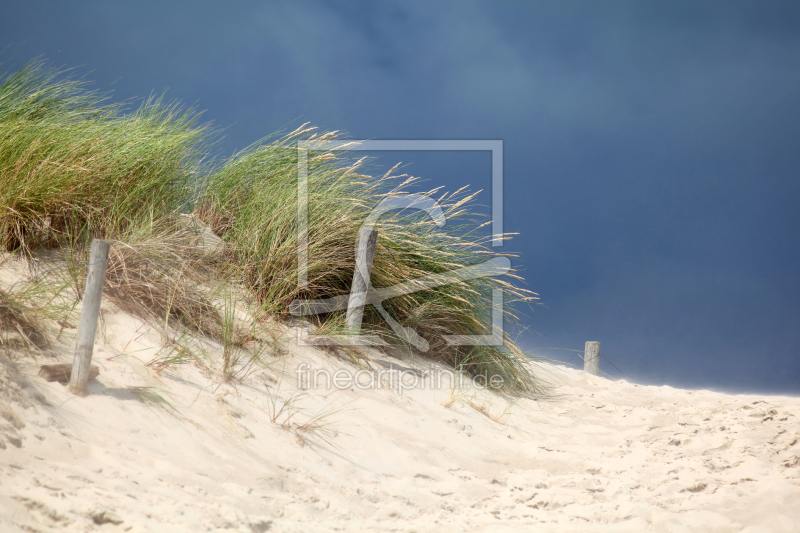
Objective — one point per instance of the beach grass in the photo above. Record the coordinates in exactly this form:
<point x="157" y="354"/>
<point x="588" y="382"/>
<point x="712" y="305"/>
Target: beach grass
<point x="73" y="167"/>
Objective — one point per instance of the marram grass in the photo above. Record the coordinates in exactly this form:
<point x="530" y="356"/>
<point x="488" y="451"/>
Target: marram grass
<point x="251" y="201"/>
<point x="69" y="164"/>
<point x="73" y="167"/>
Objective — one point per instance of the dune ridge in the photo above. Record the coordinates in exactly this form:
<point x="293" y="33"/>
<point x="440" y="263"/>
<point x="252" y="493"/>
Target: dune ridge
<point x="183" y="450"/>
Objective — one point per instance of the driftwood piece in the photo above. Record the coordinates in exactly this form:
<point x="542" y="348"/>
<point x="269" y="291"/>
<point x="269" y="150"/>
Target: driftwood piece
<point x="63" y="372"/>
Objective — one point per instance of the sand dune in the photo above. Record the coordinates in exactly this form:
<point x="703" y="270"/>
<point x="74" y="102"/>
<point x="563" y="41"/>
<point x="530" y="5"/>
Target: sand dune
<point x="178" y="451"/>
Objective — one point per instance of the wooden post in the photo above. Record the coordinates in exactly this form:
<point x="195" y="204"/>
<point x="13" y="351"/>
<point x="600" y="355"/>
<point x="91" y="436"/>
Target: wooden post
<point x="87" y="326"/>
<point x="591" y="358"/>
<point x="367" y="239"/>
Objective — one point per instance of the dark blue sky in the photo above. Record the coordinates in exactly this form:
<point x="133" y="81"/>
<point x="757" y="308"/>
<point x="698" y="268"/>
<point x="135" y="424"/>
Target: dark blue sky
<point x="652" y="149"/>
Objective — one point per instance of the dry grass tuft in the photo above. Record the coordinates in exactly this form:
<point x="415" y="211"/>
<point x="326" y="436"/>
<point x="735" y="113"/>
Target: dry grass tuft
<point x="160" y="278"/>
<point x="20" y="324"/>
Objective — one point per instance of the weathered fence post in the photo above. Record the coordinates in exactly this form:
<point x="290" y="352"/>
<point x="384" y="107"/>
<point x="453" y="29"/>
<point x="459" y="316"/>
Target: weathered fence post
<point x="367" y="239"/>
<point x="591" y="358"/>
<point x="87" y="327"/>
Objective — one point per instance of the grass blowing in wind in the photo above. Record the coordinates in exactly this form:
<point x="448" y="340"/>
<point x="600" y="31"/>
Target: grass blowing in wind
<point x="73" y="167"/>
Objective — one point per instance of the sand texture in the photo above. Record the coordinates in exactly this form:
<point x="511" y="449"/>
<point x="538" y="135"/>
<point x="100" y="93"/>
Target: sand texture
<point x="177" y="450"/>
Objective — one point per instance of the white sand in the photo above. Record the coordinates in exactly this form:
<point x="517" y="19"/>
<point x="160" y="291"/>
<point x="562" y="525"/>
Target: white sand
<point x="604" y="456"/>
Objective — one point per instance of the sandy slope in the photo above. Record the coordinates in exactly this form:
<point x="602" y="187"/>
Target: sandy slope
<point x="603" y="456"/>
